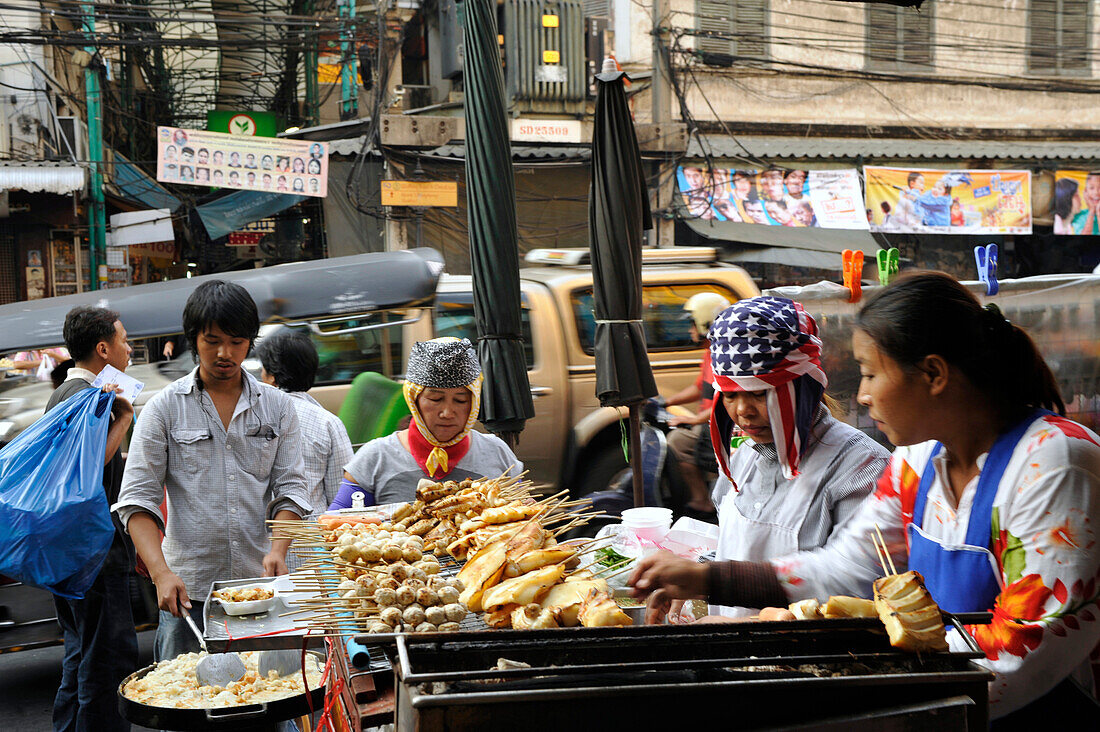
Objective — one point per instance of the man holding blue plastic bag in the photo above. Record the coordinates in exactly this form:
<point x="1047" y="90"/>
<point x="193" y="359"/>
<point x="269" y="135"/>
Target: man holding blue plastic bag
<point x="100" y="643"/>
<point x="226" y="449"/>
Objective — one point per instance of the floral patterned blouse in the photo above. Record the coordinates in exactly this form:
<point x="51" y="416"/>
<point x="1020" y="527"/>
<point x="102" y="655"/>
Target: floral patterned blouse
<point x="1045" y="524"/>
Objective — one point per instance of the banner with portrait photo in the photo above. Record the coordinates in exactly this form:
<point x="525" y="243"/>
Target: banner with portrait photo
<point x="828" y="199"/>
<point x="1077" y="202"/>
<point x="915" y="201"/>
<point x="218" y="160"/>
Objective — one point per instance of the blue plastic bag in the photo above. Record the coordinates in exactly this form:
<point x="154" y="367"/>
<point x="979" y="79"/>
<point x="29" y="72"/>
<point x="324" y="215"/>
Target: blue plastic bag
<point x="55" y="524"/>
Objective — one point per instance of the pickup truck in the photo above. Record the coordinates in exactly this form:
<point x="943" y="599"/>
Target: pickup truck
<point x="571" y="442"/>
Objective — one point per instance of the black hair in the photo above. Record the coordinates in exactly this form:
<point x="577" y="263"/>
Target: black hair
<point x="1064" y="191"/>
<point x="922" y="313"/>
<point x="912" y="177"/>
<point x="885" y="206"/>
<point x="221" y="303"/>
<point x="85" y="327"/>
<point x="290" y="357"/>
<point x="60" y="371"/>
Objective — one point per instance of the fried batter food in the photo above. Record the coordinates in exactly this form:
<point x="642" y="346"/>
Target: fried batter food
<point x="842" y="606"/>
<point x="911" y="617"/>
<point x="600" y="610"/>
<point x="806" y="609"/>
<point x="536" y="559"/>
<point x="565" y="599"/>
<point x="533" y="617"/>
<point x="501" y="618"/>
<point x="510" y="513"/>
<point x="244" y="594"/>
<point x="524" y="589"/>
<point x="480" y="573"/>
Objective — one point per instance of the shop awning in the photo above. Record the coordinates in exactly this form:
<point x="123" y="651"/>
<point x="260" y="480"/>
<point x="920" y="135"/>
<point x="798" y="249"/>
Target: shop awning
<point x="788" y="256"/>
<point x="135" y="184"/>
<point x="38" y="177"/>
<point x="775" y="147"/>
<point x="816" y="242"/>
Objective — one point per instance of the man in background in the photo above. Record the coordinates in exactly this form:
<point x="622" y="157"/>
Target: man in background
<point x="289" y="362"/>
<point x="100" y="642"/>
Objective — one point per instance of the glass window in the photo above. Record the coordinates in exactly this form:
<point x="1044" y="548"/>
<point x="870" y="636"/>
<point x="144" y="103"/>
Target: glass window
<point x="454" y="318"/>
<point x="667" y="324"/>
<point x="343" y="355"/>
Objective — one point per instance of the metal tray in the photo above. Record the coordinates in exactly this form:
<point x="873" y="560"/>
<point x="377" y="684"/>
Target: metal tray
<point x="266" y="631"/>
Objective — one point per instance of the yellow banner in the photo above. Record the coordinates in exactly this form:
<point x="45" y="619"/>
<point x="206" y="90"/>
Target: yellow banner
<point x="1077" y="203"/>
<point x="948" y="201"/>
<point x="419" y="193"/>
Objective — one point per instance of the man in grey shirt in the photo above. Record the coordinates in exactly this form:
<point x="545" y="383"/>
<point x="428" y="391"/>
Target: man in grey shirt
<point x="226" y="449"/>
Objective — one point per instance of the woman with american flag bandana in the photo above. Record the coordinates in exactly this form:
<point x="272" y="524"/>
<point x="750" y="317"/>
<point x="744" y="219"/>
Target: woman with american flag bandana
<point x="792" y="475"/>
<point x="992" y="495"/>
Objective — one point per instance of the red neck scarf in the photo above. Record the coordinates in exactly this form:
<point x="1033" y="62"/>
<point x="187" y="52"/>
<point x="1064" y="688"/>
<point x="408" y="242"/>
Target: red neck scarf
<point x="421" y="450"/>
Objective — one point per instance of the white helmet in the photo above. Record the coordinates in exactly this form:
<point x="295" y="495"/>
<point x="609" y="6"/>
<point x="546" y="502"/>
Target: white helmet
<point x="704" y="308"/>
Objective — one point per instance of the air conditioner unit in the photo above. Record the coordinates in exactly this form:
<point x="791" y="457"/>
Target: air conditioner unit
<point x="72" y="138"/>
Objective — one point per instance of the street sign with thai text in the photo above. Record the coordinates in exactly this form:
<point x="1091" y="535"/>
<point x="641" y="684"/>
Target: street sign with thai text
<point x="419" y="193"/>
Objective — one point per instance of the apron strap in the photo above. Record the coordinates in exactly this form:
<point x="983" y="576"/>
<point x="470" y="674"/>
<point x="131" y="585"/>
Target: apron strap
<point x="926" y="478"/>
<point x="981" y="511"/>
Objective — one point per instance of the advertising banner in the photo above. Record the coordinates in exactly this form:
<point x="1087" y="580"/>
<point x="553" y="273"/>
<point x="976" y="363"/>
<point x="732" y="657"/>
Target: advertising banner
<point x="272" y="165"/>
<point x="829" y="199"/>
<point x="1077" y="202"/>
<point x="913" y="200"/>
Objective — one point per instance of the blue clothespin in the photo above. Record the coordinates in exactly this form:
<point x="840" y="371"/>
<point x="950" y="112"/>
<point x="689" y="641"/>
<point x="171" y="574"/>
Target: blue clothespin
<point x="889" y="261"/>
<point x="986" y="259"/>
<point x="852" y="269"/>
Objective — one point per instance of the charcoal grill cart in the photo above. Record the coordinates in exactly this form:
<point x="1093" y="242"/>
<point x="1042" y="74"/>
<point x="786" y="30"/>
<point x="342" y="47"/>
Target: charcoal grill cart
<point x="829" y="674"/>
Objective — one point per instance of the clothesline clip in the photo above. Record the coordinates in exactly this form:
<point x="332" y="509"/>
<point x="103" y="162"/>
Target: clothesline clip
<point x="853" y="273"/>
<point x="889" y="261"/>
<point x="986" y="259"/>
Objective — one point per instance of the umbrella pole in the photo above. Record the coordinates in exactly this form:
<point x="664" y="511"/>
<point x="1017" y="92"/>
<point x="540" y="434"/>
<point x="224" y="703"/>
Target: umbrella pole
<point x="636" y="454"/>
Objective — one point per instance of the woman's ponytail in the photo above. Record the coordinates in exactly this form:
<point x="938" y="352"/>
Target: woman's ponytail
<point x="1024" y="381"/>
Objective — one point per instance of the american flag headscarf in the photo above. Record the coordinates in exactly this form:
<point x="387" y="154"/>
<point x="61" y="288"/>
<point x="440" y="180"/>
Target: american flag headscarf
<point x="768" y="343"/>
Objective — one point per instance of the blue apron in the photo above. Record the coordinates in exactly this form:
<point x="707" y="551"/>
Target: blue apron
<point x="964" y="578"/>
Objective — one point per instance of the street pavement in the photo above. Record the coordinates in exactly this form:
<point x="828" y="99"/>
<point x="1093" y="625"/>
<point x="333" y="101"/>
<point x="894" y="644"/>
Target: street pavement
<point x="29" y="679"/>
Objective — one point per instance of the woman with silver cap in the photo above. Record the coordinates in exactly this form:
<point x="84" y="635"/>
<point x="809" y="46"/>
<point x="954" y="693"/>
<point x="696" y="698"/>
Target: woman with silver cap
<point x="443" y="391"/>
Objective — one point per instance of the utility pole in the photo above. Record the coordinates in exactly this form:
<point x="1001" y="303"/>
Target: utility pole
<point x="313" y="112"/>
<point x="349" y="86"/>
<point x="97" y="213"/>
<point x="661" y="99"/>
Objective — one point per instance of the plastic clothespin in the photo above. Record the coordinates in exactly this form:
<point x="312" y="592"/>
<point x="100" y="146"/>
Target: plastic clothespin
<point x="986" y="259"/>
<point x="889" y="261"/>
<point x="853" y="273"/>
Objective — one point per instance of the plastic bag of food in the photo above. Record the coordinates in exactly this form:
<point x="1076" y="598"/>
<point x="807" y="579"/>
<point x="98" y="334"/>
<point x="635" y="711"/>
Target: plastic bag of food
<point x="55" y="524"/>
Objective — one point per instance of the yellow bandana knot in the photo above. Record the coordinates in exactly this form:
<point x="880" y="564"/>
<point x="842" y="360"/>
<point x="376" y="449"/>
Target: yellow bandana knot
<point x="437" y="460"/>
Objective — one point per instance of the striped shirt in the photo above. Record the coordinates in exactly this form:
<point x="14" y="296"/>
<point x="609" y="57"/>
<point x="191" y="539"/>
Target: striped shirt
<point x="840" y="460"/>
<point x="221" y="483"/>
<point x="326" y="449"/>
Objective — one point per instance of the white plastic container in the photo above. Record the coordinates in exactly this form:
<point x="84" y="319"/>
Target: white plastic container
<point x="648" y="522"/>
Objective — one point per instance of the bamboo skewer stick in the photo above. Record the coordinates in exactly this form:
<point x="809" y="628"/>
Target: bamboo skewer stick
<point x="885" y="550"/>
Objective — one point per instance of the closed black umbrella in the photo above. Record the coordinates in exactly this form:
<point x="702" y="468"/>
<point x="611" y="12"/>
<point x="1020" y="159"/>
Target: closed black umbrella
<point x="618" y="215"/>
<point x="491" y="216"/>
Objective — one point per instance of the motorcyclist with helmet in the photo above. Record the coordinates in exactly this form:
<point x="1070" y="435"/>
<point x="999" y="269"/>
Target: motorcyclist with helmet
<point x="689" y="442"/>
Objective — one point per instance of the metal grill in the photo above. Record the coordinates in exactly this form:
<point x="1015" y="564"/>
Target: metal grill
<point x="765" y="675"/>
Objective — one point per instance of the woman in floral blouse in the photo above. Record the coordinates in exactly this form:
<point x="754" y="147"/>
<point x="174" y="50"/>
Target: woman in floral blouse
<point x="991" y="495"/>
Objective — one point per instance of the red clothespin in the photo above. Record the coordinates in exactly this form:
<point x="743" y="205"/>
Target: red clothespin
<point x="853" y="274"/>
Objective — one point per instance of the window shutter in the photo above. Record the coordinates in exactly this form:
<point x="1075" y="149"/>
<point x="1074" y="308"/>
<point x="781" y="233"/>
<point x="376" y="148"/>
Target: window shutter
<point x="597" y="9"/>
<point x="750" y="25"/>
<point x="1043" y="49"/>
<point x="882" y="35"/>
<point x="1074" y="41"/>
<point x="744" y="22"/>
<point x="916" y="37"/>
<point x="714" y="16"/>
